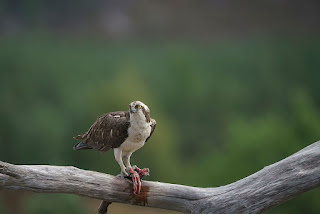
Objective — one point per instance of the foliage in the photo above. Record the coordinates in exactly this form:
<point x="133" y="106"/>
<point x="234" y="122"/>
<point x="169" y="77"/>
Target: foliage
<point x="224" y="110"/>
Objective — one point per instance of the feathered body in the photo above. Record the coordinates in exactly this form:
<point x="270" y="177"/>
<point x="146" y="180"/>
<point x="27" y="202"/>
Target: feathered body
<point x="123" y="131"/>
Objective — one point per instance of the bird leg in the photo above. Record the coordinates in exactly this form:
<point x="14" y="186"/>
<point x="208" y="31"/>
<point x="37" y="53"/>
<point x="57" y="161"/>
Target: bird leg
<point x="134" y="172"/>
<point x="118" y="157"/>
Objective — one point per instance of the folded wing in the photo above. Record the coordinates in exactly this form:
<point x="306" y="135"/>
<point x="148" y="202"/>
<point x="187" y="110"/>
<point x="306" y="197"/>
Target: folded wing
<point x="109" y="131"/>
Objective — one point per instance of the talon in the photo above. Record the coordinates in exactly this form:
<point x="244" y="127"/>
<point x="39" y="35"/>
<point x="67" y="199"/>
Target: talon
<point x="134" y="167"/>
<point x="120" y="175"/>
<point x="124" y="174"/>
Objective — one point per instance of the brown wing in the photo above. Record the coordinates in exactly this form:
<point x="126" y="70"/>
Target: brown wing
<point x="109" y="131"/>
<point x="153" y="127"/>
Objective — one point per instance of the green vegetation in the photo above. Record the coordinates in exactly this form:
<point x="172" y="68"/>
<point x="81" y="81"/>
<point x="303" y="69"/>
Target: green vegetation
<point x="224" y="110"/>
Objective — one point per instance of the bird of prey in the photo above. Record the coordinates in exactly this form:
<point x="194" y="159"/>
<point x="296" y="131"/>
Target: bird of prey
<point x="124" y="132"/>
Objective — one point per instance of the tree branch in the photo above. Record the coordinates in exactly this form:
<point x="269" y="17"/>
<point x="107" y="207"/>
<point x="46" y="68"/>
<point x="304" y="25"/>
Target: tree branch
<point x="265" y="189"/>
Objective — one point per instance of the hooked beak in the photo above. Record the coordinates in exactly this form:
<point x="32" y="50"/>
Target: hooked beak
<point x="132" y="110"/>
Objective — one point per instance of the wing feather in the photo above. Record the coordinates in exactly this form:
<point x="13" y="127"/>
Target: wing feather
<point x="153" y="127"/>
<point x="109" y="131"/>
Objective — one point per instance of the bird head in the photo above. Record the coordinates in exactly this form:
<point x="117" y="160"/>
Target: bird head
<point x="139" y="109"/>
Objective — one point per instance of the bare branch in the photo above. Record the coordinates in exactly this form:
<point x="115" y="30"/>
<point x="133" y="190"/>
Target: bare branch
<point x="267" y="188"/>
<point x="103" y="208"/>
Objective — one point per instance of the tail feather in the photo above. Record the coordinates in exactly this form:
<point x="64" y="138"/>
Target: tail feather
<point x="81" y="145"/>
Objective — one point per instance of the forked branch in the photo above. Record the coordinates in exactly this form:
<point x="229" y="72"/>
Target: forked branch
<point x="265" y="189"/>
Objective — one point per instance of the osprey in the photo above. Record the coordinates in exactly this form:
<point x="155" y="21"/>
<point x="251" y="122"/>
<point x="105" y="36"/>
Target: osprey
<point x="124" y="132"/>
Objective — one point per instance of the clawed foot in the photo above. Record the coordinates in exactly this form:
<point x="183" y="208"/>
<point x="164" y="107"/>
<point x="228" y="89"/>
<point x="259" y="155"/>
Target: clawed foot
<point x="124" y="174"/>
<point x="136" y="174"/>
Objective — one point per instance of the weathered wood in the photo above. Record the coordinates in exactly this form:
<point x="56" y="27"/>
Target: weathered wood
<point x="103" y="208"/>
<point x="265" y="189"/>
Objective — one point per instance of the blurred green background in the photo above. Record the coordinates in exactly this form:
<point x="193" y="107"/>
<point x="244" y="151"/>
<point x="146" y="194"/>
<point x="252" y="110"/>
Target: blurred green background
<point x="234" y="86"/>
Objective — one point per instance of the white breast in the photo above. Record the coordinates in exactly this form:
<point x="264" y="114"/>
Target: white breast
<point x="136" y="138"/>
<point x="138" y="132"/>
